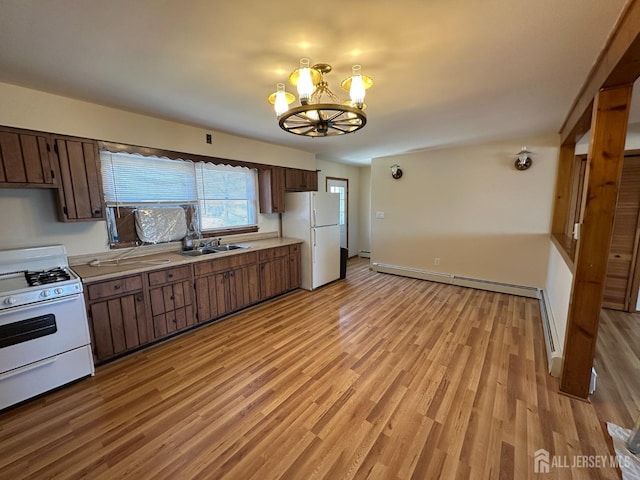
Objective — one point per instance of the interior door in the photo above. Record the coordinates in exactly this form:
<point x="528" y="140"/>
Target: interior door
<point x="341" y="186"/>
<point x="624" y="240"/>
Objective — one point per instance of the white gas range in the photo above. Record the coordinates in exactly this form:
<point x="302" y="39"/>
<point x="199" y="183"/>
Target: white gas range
<point x="44" y="335"/>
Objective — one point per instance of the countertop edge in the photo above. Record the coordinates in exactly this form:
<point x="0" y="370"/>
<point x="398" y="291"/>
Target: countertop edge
<point x="158" y="261"/>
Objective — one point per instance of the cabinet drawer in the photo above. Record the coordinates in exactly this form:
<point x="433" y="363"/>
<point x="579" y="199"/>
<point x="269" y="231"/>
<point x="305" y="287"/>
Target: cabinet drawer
<point x="271" y="253"/>
<point x="221" y="264"/>
<point x="293" y="249"/>
<point x="170" y="275"/>
<point x="114" y="287"/>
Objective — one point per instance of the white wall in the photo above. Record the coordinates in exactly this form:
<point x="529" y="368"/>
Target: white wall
<point x="365" y="209"/>
<point x="339" y="170"/>
<point x="32" y="109"/>
<point x="469" y="207"/>
<point x="28" y="216"/>
<point x="558" y="287"/>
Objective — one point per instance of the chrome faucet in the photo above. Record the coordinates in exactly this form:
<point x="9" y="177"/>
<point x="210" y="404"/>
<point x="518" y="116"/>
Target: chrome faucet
<point x="214" y="242"/>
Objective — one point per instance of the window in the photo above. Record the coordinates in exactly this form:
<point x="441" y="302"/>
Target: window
<point x="226" y="196"/>
<point x="216" y="198"/>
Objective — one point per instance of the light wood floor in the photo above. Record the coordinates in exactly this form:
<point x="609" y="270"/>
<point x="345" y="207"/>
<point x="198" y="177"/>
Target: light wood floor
<point x="376" y="377"/>
<point x="617" y="362"/>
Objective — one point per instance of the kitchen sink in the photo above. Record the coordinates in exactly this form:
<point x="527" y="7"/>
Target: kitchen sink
<point x="199" y="251"/>
<point x="209" y="250"/>
<point x="228" y="248"/>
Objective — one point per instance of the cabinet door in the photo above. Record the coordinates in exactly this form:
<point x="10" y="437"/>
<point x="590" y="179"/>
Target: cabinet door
<point x="24" y="159"/>
<point x="274" y="277"/>
<point x="244" y="288"/>
<point x="80" y="195"/>
<point x="295" y="272"/>
<point x="311" y="180"/>
<point x="118" y="325"/>
<point x="171" y="308"/>
<point x="271" y="185"/>
<point x="297" y="180"/>
<point x="207" y="298"/>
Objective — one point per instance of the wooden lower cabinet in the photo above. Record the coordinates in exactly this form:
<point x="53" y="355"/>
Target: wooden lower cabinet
<point x="171" y="297"/>
<point x="131" y="311"/>
<point x="295" y="267"/>
<point x="225" y="285"/>
<point x="119" y="323"/>
<point x="274" y="276"/>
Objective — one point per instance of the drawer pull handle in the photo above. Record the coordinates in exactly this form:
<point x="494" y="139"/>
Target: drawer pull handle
<point x="116" y="287"/>
<point x="172" y="297"/>
<point x="170" y="275"/>
<point x="33" y="366"/>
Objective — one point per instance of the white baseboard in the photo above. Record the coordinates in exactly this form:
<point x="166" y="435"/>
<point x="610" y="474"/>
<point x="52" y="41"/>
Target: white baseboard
<point x="480" y="284"/>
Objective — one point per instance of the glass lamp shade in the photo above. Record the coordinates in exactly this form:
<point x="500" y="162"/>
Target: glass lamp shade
<point x="357" y="90"/>
<point x="281" y="99"/>
<point x="281" y="105"/>
<point x="305" y="82"/>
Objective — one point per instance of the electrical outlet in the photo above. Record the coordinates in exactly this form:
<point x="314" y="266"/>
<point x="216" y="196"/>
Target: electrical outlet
<point x="209" y="140"/>
<point x="379" y="214"/>
<point x="436" y="261"/>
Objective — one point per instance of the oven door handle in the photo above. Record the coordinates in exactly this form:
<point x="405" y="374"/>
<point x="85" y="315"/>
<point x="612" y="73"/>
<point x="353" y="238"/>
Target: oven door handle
<point x="27" y="368"/>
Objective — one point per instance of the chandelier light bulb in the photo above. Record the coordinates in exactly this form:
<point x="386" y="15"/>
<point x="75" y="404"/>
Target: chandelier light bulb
<point x="305" y="82"/>
<point x="281" y="105"/>
<point x="357" y="90"/>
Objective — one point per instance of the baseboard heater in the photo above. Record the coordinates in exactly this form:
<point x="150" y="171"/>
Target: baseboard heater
<point x="364" y="254"/>
<point x="551" y="341"/>
<point x="554" y="353"/>
<point x="480" y="284"/>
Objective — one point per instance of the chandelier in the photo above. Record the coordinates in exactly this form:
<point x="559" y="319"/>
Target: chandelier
<point x="321" y="113"/>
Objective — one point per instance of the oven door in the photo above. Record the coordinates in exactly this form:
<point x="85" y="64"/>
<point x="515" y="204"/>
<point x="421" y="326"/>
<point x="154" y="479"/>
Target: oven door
<point x="31" y="333"/>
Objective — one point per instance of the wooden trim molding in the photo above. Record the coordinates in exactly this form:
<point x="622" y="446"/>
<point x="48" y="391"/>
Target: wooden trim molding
<point x="617" y="64"/>
<point x="606" y="154"/>
<point x="173" y="155"/>
<point x="563" y="190"/>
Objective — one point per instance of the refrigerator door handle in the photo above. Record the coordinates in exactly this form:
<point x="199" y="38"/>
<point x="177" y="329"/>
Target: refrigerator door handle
<point x="314" y="254"/>
<point x="315" y="218"/>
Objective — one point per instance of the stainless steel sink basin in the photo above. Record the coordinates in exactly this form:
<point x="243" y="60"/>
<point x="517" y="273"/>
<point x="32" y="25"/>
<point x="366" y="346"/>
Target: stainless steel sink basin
<point x="199" y="251"/>
<point x="209" y="250"/>
<point x="228" y="248"/>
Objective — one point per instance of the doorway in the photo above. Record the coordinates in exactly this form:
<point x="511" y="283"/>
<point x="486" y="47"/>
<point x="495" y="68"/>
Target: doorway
<point x="341" y="186"/>
<point x="622" y="280"/>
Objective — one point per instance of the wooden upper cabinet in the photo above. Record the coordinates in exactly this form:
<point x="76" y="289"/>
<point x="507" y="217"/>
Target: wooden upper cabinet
<point x="297" y="180"/>
<point x="271" y="186"/>
<point x="80" y="193"/>
<point x="25" y="159"/>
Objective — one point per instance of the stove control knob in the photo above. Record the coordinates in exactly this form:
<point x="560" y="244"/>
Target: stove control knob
<point x="58" y="291"/>
<point x="10" y="300"/>
<point x="46" y="293"/>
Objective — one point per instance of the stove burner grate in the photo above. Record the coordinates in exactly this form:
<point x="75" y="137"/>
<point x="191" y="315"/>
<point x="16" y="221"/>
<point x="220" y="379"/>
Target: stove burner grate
<point x="54" y="275"/>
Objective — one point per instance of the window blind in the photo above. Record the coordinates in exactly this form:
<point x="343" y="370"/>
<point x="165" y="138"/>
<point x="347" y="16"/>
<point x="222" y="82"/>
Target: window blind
<point x="133" y="180"/>
<point x="227" y="196"/>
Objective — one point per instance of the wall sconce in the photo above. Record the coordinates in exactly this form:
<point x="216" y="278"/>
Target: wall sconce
<point x="523" y="161"/>
<point x="396" y="171"/>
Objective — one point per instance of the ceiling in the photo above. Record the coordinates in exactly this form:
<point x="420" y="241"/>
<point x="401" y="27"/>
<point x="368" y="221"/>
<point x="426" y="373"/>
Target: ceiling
<point x="446" y="72"/>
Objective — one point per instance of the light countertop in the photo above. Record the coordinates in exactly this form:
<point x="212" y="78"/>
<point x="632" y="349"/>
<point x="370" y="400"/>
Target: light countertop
<point x="132" y="265"/>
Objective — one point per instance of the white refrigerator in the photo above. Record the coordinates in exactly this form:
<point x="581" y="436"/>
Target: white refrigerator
<point x="314" y="217"/>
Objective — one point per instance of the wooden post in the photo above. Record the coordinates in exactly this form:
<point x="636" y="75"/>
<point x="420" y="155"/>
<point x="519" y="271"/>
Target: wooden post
<point x="606" y="154"/>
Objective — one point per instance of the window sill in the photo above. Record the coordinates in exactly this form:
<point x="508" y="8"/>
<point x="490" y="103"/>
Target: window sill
<point x="567" y="248"/>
